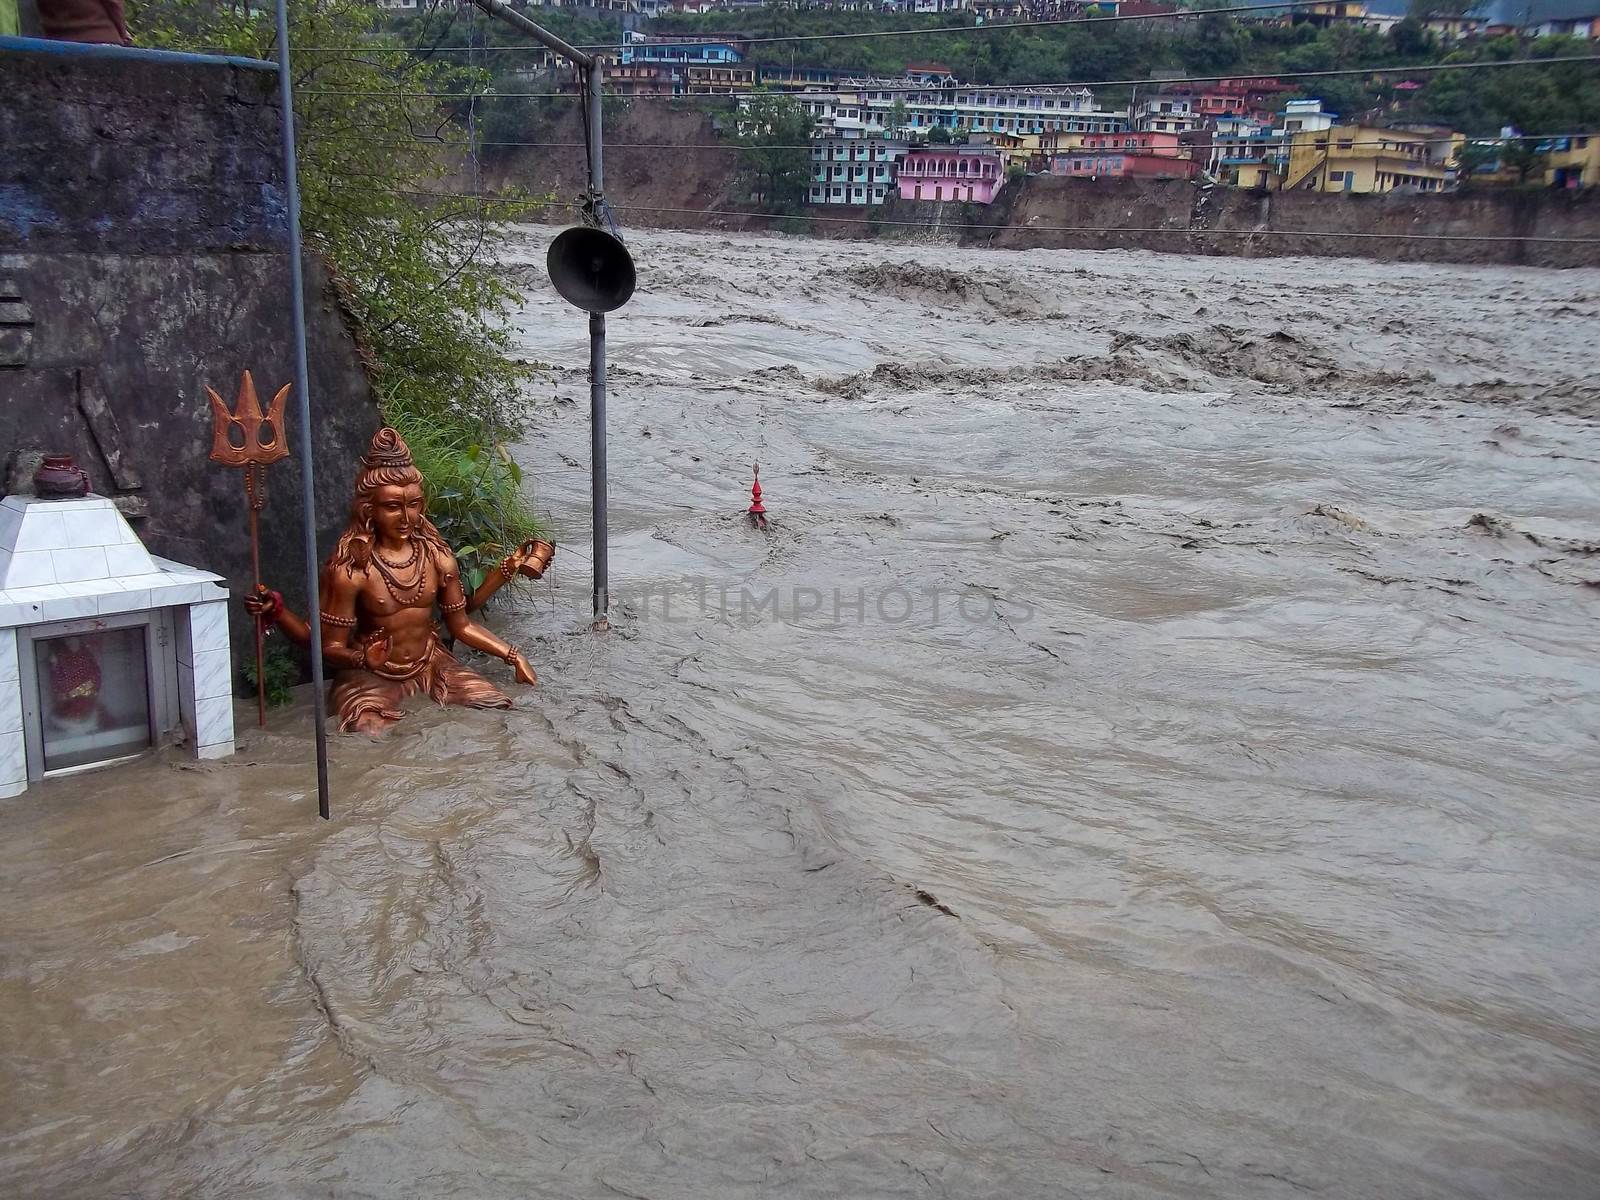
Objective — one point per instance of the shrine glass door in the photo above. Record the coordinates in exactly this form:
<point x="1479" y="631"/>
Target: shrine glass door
<point x="95" y="691"/>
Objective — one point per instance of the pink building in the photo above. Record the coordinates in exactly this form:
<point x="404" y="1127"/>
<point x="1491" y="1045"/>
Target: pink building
<point x="1121" y="155"/>
<point x="1122" y="164"/>
<point x="1163" y="145"/>
<point x="951" y="173"/>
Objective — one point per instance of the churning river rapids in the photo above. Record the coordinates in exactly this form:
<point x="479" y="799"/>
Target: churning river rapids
<point x="1153" y="752"/>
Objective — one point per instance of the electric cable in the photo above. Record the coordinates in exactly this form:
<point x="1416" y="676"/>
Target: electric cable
<point x="871" y="141"/>
<point x="1426" y="69"/>
<point x="722" y="38"/>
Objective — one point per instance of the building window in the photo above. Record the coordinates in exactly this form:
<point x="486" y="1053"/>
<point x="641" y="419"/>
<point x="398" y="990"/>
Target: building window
<point x="1335" y="176"/>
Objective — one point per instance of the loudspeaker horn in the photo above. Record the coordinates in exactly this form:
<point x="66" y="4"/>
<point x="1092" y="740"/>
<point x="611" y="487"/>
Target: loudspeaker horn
<point x="591" y="269"/>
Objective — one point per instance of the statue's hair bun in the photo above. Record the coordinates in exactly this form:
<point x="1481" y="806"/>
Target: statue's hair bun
<point x="388" y="449"/>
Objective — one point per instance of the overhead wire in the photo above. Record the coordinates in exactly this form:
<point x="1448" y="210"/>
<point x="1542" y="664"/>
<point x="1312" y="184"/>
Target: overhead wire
<point x="744" y="38"/>
<point x="735" y="146"/>
<point x="873" y="86"/>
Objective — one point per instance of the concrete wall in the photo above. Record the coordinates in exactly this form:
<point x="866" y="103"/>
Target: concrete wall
<point x="143" y="255"/>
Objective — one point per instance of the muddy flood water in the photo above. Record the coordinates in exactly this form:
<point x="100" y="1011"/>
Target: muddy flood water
<point x="1153" y="752"/>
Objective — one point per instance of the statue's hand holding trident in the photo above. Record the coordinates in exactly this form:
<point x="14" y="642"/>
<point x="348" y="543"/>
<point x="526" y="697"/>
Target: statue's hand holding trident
<point x="249" y="438"/>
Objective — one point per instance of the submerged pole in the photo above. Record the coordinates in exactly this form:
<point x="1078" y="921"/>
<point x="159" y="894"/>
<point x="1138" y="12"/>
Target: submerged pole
<point x="597" y="467"/>
<point x="597" y="372"/>
<point x="590" y="65"/>
<point x="302" y="396"/>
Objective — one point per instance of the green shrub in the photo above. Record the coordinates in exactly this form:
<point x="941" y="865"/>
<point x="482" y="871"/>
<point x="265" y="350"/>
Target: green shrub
<point x="475" y="494"/>
<point x="279" y="669"/>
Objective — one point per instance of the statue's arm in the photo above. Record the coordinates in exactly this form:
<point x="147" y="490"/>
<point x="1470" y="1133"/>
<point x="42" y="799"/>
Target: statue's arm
<point x="453" y="604"/>
<point x="338" y="602"/>
<point x="338" y="595"/>
<point x="294" y="626"/>
<point x="496" y="579"/>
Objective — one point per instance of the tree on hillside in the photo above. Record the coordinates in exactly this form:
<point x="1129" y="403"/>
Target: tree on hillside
<point x="774" y="154"/>
<point x="1216" y="43"/>
<point x="1551" y="99"/>
<point x="1523" y="158"/>
<point x="1475" y="157"/>
<point x="1410" y="38"/>
<point x="940" y="135"/>
<point x="899" y="118"/>
<point x="1433" y="10"/>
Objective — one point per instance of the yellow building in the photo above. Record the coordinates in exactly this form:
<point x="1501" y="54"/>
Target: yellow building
<point x="1017" y="149"/>
<point x="1058" y="141"/>
<point x="1573" y="162"/>
<point x="1329" y="12"/>
<point x="1362" y="158"/>
<point x="701" y="80"/>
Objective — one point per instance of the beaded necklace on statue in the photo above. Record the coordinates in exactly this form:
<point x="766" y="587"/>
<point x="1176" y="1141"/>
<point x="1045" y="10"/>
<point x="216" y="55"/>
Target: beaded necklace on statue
<point x="406" y="593"/>
<point x="416" y="549"/>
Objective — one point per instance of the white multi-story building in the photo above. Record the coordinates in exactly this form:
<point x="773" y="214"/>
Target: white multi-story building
<point x="1246" y="153"/>
<point x="1305" y="116"/>
<point x="962" y="108"/>
<point x="1165" y="113"/>
<point x="852" y="163"/>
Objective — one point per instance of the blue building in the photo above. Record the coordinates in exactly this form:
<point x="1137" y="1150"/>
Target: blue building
<point x="678" y="51"/>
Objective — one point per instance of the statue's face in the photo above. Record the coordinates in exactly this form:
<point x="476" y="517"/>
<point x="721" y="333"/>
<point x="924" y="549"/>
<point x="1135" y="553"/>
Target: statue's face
<point x="397" y="511"/>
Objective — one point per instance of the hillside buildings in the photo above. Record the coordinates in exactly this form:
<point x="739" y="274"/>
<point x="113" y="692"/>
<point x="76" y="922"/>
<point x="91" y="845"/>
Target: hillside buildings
<point x="1530" y="18"/>
<point x="926" y="135"/>
<point x="881" y="137"/>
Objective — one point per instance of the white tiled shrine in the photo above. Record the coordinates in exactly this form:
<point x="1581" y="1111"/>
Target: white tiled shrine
<point x="83" y="603"/>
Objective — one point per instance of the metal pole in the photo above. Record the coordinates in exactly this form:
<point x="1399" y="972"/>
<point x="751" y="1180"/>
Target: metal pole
<point x="591" y="66"/>
<point x="510" y="15"/>
<point x="252" y="487"/>
<point x="597" y="460"/>
<point x="597" y="373"/>
<point x="302" y="395"/>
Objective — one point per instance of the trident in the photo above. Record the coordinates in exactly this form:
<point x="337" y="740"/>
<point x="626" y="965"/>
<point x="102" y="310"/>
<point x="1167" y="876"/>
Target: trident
<point x="245" y="438"/>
